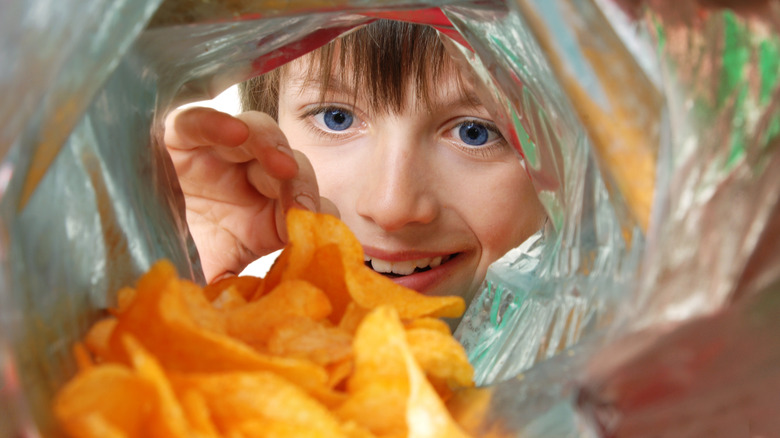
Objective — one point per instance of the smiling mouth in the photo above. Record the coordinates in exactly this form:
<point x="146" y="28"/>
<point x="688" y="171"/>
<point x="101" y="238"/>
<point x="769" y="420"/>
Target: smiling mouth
<point x="406" y="267"/>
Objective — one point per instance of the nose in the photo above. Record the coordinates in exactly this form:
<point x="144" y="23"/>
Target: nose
<point x="399" y="187"/>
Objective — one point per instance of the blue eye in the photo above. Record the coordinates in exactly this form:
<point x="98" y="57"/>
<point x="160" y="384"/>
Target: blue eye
<point x="337" y="119"/>
<point x="474" y="134"/>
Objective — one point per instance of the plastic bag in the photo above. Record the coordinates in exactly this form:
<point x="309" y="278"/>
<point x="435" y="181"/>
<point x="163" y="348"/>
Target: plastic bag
<point x="88" y="199"/>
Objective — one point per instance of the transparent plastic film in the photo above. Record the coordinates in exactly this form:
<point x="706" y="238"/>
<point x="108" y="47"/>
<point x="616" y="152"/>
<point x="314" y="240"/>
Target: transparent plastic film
<point x="566" y="281"/>
<point x="720" y="172"/>
<point x="689" y="352"/>
<point x="648" y="129"/>
<point x="706" y="303"/>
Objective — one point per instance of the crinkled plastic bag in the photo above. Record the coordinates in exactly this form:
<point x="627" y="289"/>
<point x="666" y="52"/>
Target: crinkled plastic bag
<point x="649" y="139"/>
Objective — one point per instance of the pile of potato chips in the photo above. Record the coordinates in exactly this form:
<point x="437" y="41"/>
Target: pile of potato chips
<point x="323" y="346"/>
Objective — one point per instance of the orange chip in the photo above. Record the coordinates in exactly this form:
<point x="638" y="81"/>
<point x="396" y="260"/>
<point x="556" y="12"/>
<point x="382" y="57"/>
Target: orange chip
<point x="254" y="322"/>
<point x="441" y="356"/>
<point x="197" y="412"/>
<point x="310" y="232"/>
<point x="379" y="386"/>
<point x="426" y="414"/>
<point x="274" y="276"/>
<point x="326" y="271"/>
<point x="428" y="323"/>
<point x="354" y="430"/>
<point x="229" y="299"/>
<point x="330" y="398"/>
<point x="317" y="348"/>
<point x="114" y="393"/>
<point x="321" y="248"/>
<point x="379" y="407"/>
<point x="245" y="286"/>
<point x="199" y="309"/>
<point x="159" y="319"/>
<point x="96" y="426"/>
<point x="371" y="290"/>
<point x="124" y="298"/>
<point x="237" y="400"/>
<point x="352" y="317"/>
<point x="305" y="338"/>
<point x="388" y="392"/>
<point x="98" y="338"/>
<point x="83" y="358"/>
<point x="168" y="419"/>
<point x="339" y="371"/>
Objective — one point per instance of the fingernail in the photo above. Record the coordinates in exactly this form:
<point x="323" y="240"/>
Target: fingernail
<point x="306" y="201"/>
<point x="283" y="148"/>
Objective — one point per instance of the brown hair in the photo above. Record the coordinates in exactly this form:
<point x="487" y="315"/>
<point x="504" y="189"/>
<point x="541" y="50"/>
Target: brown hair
<point x="382" y="59"/>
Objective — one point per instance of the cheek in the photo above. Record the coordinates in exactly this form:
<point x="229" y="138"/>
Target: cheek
<point x="333" y="170"/>
<point x="338" y="175"/>
<point x="502" y="209"/>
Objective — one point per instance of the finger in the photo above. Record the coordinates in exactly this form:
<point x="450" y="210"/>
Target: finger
<point x="304" y="188"/>
<point x="300" y="191"/>
<point x="195" y="127"/>
<point x="268" y="145"/>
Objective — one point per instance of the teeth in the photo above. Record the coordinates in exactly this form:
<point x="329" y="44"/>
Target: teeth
<point x="402" y="268"/>
<point x="381" y="265"/>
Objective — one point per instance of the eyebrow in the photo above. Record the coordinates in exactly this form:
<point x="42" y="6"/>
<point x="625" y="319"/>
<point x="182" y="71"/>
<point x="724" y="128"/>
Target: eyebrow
<point x="465" y="98"/>
<point x="307" y="80"/>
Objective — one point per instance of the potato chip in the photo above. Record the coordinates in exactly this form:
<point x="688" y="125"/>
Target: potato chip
<point x="389" y="381"/>
<point x="352" y="317"/>
<point x="239" y="398"/>
<point x="441" y="357"/>
<point x="98" y="338"/>
<point x="326" y="271"/>
<point x="305" y="338"/>
<point x="246" y="286"/>
<point x="274" y="276"/>
<point x="160" y="320"/>
<point x="321" y="247"/>
<point x="379" y="407"/>
<point x="197" y="412"/>
<point x="82" y="356"/>
<point x="168" y="419"/>
<point x="96" y="426"/>
<point x="354" y="430"/>
<point x="379" y="386"/>
<point x="316" y="349"/>
<point x="339" y="371"/>
<point x="228" y="299"/>
<point x="254" y="322"/>
<point x="367" y="288"/>
<point x="200" y="310"/>
<point x="371" y="290"/>
<point x="114" y="393"/>
<point x="124" y="298"/>
<point x="435" y="324"/>
<point x="426" y="414"/>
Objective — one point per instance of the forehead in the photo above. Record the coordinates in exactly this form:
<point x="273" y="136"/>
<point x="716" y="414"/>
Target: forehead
<point x="348" y="79"/>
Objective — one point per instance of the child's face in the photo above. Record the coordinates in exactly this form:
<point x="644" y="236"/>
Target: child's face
<point x="434" y="193"/>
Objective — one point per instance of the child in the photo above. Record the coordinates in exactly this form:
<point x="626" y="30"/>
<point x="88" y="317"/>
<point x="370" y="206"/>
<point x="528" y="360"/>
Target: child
<point x="402" y="150"/>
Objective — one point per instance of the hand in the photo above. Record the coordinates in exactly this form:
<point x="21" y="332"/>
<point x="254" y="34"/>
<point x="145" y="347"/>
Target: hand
<point x="239" y="176"/>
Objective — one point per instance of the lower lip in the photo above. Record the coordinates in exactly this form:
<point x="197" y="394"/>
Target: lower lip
<point x="424" y="282"/>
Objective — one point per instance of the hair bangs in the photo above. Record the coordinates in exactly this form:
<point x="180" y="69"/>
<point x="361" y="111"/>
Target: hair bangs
<point x="381" y="63"/>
